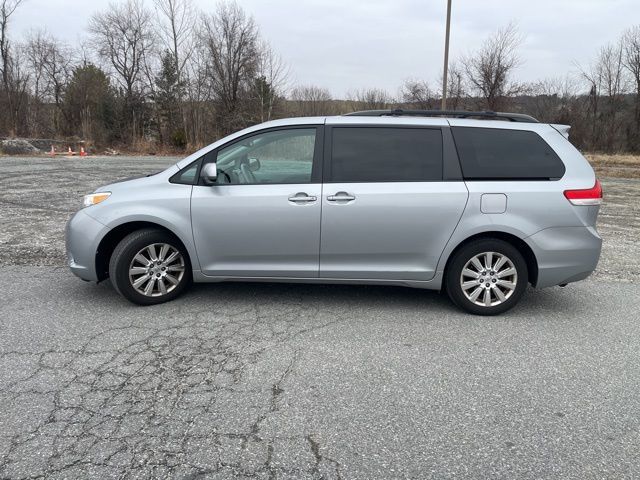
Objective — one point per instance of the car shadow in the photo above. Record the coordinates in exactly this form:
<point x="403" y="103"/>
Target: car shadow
<point x="535" y="303"/>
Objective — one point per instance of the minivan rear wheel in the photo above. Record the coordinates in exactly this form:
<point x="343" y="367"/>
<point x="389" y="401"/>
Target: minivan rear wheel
<point x="150" y="266"/>
<point x="487" y="277"/>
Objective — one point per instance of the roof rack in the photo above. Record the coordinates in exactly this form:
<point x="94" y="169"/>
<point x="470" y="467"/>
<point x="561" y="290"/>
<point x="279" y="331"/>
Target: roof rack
<point x="512" y="117"/>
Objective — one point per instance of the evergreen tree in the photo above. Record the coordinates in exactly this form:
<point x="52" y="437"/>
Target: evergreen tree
<point x="90" y="106"/>
<point x="168" y="94"/>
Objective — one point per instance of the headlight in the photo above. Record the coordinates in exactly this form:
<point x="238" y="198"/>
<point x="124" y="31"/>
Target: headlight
<point x="95" y="198"/>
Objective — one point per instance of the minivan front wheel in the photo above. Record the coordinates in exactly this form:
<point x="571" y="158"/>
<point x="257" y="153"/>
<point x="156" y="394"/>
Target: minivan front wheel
<point x="150" y="266"/>
<point x="487" y="277"/>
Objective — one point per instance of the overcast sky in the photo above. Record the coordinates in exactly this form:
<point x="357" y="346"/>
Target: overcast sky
<point x="349" y="44"/>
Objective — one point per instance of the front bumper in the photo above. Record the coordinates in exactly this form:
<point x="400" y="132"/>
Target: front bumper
<point x="565" y="254"/>
<point x="82" y="236"/>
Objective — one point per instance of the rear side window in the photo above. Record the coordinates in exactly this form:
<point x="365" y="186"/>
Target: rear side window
<point x="501" y="154"/>
<point x="374" y="154"/>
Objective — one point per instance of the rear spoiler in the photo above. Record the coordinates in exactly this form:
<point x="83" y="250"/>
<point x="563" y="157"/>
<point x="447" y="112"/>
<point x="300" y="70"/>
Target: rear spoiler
<point x="562" y="129"/>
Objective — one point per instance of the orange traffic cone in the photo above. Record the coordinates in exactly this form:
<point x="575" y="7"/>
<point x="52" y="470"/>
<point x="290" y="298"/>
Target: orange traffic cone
<point x="53" y="151"/>
<point x="70" y="152"/>
<point x="82" y="152"/>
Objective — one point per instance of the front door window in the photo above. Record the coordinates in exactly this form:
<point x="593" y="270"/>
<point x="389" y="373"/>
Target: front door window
<point x="281" y="156"/>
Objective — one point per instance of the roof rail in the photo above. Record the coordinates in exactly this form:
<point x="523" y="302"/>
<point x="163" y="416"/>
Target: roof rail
<point x="512" y="117"/>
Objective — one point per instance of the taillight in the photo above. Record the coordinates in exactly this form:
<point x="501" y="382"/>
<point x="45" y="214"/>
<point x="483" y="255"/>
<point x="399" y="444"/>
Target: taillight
<point x="589" y="196"/>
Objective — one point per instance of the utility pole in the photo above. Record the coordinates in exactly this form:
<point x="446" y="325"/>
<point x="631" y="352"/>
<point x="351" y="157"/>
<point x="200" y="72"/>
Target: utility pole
<point x="446" y="58"/>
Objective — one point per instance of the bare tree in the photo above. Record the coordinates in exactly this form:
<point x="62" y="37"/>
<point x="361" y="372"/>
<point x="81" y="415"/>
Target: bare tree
<point x="123" y="37"/>
<point x="197" y="114"/>
<point x="312" y="101"/>
<point x="35" y="53"/>
<point x="489" y="69"/>
<point x="455" y="85"/>
<point x="369" y="99"/>
<point x="176" y="29"/>
<point x="7" y="8"/>
<point x="50" y="63"/>
<point x="607" y="87"/>
<point x="552" y="99"/>
<point x="13" y="84"/>
<point x="172" y="75"/>
<point x="271" y="80"/>
<point x="418" y="95"/>
<point x="230" y="38"/>
<point x="58" y="65"/>
<point x="592" y="77"/>
<point x="562" y="100"/>
<point x="631" y="61"/>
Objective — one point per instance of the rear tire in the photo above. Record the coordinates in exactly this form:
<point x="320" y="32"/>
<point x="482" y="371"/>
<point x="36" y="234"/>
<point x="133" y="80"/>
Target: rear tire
<point x="149" y="267"/>
<point x="486" y="277"/>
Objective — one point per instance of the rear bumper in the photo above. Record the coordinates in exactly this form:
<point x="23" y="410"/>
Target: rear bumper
<point x="565" y="254"/>
<point x="82" y="236"/>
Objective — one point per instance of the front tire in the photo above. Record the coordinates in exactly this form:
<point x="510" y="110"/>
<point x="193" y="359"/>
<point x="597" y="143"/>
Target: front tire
<point x="487" y="277"/>
<point x="150" y="266"/>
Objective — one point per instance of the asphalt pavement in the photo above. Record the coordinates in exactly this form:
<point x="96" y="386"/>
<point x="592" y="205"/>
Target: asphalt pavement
<point x="308" y="381"/>
<point x="305" y="381"/>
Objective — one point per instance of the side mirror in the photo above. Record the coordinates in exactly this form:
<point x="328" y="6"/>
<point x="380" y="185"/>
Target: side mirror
<point x="254" y="164"/>
<point x="209" y="173"/>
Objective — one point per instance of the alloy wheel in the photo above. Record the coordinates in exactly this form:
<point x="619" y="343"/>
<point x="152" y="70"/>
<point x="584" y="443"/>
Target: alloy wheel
<point x="156" y="269"/>
<point x="488" y="279"/>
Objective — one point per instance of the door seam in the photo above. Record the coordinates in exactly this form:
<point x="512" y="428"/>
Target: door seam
<point x="320" y="229"/>
<point x="193" y="235"/>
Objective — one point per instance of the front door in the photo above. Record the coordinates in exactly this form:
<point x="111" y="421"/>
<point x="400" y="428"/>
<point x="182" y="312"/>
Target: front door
<point x="387" y="213"/>
<point x="262" y="217"/>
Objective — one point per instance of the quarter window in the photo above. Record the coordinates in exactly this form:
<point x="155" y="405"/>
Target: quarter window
<point x="378" y="154"/>
<point x="281" y="156"/>
<point x="504" y="154"/>
<point x="187" y="176"/>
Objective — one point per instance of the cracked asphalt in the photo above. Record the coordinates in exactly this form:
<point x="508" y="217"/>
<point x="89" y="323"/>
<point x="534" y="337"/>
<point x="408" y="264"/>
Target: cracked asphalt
<point x="305" y="381"/>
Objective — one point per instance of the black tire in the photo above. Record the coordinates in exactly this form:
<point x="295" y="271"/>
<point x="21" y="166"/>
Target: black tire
<point x="122" y="259"/>
<point x="454" y="279"/>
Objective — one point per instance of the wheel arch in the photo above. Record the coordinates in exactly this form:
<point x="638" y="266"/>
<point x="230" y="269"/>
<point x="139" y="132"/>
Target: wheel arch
<point x="109" y="242"/>
<point x="517" y="242"/>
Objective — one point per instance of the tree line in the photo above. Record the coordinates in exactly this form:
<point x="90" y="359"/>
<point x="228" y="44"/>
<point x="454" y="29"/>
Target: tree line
<point x="164" y="75"/>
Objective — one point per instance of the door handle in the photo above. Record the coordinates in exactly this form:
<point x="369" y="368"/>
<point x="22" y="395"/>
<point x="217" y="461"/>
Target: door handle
<point x="341" y="197"/>
<point x="302" y="197"/>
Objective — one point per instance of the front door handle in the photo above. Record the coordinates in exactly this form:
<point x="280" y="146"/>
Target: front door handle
<point x="302" y="197"/>
<point x="341" y="197"/>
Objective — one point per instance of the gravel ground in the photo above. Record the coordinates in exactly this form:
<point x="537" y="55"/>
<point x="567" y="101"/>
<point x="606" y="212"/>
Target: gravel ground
<point x="37" y="196"/>
<point x="305" y="381"/>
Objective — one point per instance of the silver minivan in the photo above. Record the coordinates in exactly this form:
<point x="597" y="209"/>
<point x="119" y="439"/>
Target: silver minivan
<point x="477" y="204"/>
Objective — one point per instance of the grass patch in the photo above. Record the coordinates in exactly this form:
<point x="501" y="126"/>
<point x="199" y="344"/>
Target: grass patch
<point x="615" y="165"/>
